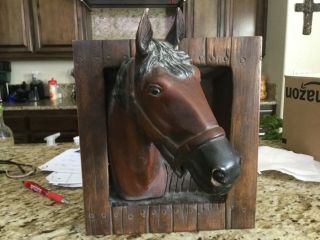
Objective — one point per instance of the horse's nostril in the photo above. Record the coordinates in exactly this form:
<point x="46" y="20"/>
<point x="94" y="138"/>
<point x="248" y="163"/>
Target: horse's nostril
<point x="218" y="175"/>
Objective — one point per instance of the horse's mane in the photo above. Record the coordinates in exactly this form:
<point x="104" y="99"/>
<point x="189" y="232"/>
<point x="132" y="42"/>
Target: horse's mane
<point x="176" y="62"/>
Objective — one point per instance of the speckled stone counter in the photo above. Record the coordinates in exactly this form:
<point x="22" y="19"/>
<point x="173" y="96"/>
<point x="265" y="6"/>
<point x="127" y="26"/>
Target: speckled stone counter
<point x="286" y="208"/>
<point x="65" y="103"/>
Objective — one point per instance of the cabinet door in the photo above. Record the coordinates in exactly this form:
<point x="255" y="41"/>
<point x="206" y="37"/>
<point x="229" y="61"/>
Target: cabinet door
<point x="225" y="18"/>
<point x="56" y="23"/>
<point x="15" y="32"/>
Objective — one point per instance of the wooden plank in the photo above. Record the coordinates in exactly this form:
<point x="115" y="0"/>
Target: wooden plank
<point x="134" y="219"/>
<point x="184" y="217"/>
<point x="246" y="70"/>
<point x="197" y="51"/>
<point x="160" y="218"/>
<point x="211" y="216"/>
<point x="88" y="61"/>
<point x="166" y="218"/>
<point x="218" y="51"/>
<point x="115" y="52"/>
<point x="154" y="218"/>
<point x="117" y="226"/>
<point x="196" y="48"/>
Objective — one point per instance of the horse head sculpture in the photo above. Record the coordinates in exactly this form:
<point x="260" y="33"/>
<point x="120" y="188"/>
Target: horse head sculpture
<point x="158" y="107"/>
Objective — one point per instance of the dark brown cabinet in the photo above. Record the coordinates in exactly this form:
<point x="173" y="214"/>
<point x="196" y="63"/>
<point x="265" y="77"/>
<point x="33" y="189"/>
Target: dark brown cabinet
<point x="15" y="32"/>
<point x="31" y="126"/>
<point x="225" y="18"/>
<point x="41" y="28"/>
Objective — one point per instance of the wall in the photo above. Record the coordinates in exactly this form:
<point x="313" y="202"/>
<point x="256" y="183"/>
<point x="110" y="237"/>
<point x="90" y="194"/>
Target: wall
<point x="302" y="51"/>
<point x="106" y="24"/>
<point x="288" y="51"/>
<point x="273" y="62"/>
<point x="60" y="70"/>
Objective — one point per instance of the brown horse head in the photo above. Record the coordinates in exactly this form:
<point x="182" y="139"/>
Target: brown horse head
<point x="172" y="110"/>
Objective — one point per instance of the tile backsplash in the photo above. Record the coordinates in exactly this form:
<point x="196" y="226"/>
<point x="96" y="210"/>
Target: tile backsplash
<point x="122" y="23"/>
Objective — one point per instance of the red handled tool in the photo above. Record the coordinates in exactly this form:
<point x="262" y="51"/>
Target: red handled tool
<point x="45" y="192"/>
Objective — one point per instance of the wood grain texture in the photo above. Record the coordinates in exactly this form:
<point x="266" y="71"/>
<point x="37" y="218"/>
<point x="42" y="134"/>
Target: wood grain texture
<point x="184" y="217"/>
<point x="196" y="48"/>
<point x="246" y="70"/>
<point x="239" y="209"/>
<point x="160" y="218"/>
<point x="115" y="52"/>
<point x="48" y="13"/>
<point x="91" y="113"/>
<point x="218" y="51"/>
<point x="15" y="28"/>
<point x="135" y="219"/>
<point x="211" y="216"/>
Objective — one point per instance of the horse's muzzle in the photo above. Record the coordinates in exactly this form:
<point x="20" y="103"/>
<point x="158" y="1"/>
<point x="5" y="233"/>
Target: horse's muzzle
<point x="214" y="165"/>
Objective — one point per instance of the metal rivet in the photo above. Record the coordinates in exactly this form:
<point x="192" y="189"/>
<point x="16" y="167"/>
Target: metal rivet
<point x="115" y="215"/>
<point x="153" y="212"/>
<point x="103" y="215"/>
<point x="91" y="216"/>
<point x="130" y="216"/>
<point x="164" y="212"/>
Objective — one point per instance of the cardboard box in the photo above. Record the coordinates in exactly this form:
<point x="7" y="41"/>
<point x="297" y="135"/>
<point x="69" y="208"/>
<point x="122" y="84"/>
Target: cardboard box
<point x="301" y="118"/>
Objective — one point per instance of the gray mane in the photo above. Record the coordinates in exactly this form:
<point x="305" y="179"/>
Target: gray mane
<point x="176" y="62"/>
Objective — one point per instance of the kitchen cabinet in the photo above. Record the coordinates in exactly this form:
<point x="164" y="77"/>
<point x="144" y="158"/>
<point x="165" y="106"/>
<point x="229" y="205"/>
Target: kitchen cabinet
<point x="31" y="126"/>
<point x="15" y="31"/>
<point x="41" y="28"/>
<point x="225" y="18"/>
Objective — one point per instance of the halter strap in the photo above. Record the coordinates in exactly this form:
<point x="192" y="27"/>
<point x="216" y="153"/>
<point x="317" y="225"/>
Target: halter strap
<point x="176" y="150"/>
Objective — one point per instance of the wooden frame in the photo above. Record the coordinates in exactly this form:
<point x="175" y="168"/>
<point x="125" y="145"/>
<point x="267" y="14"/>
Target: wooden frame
<point x="243" y="56"/>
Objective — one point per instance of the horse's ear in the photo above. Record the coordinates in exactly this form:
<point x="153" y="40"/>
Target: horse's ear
<point x="144" y="34"/>
<point x="177" y="31"/>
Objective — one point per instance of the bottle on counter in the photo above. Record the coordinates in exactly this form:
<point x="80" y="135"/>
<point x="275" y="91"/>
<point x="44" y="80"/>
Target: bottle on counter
<point x="6" y="139"/>
<point x="36" y="87"/>
<point x="54" y="90"/>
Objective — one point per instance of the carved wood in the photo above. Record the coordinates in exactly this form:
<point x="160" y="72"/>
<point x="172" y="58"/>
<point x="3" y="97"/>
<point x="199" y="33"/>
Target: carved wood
<point x="243" y="57"/>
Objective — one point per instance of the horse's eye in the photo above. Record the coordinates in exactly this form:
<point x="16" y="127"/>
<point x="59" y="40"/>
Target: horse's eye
<point x="154" y="90"/>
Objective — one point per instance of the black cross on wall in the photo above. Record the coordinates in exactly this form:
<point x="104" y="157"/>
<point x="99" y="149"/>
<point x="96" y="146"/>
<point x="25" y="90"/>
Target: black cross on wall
<point x="308" y="8"/>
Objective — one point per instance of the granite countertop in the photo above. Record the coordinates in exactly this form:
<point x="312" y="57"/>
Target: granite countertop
<point x="286" y="208"/>
<point x="46" y="104"/>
